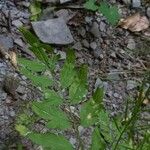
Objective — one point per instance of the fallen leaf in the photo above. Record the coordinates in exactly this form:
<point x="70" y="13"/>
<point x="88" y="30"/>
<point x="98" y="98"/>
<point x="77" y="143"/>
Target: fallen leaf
<point x="13" y="59"/>
<point x="134" y="23"/>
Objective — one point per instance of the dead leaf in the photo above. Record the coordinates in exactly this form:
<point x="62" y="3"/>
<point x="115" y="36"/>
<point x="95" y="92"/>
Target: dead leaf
<point x="13" y="59"/>
<point x="134" y="23"/>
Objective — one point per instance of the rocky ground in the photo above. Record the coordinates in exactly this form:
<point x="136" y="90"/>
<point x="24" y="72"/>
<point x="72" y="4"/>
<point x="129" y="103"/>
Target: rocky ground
<point x="117" y="58"/>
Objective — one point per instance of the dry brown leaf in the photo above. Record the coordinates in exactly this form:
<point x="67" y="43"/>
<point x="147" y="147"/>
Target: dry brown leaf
<point x="134" y="23"/>
<point x="13" y="59"/>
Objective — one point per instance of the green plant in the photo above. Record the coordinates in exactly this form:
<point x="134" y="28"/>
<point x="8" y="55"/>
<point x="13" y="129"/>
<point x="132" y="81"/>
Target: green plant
<point x="54" y="110"/>
<point x="110" y="12"/>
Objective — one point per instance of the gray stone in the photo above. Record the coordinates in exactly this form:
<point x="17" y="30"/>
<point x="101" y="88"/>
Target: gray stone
<point x="148" y="12"/>
<point x="113" y="55"/>
<point x="93" y="45"/>
<point x="102" y="27"/>
<point x="97" y="53"/>
<point x="131" y="44"/>
<point x="98" y="83"/>
<point x="77" y="46"/>
<point x="19" y="42"/>
<point x="88" y="19"/>
<point x="17" y="23"/>
<point x="21" y="89"/>
<point x="131" y="84"/>
<point x="62" y="54"/>
<point x="47" y="13"/>
<point x="6" y="41"/>
<point x="63" y="13"/>
<point x="64" y="1"/>
<point x="136" y="3"/>
<point x="82" y="31"/>
<point x="85" y="43"/>
<point x="3" y="95"/>
<point x="53" y="31"/>
<point x="95" y="30"/>
<point x="113" y="75"/>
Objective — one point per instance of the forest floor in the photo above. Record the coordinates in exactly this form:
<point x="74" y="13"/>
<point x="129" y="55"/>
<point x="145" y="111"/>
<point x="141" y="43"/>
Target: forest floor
<point x="117" y="58"/>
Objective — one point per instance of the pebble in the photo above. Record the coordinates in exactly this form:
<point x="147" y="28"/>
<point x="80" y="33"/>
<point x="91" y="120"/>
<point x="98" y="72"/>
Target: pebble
<point x="113" y="55"/>
<point x="53" y="31"/>
<point x="21" y="89"/>
<point x="72" y="141"/>
<point x="85" y="43"/>
<point x="131" y="44"/>
<point x="62" y="54"/>
<point x="19" y="42"/>
<point x="97" y="53"/>
<point x="127" y="2"/>
<point x="95" y="30"/>
<point x="136" y="3"/>
<point x="77" y="46"/>
<point x="3" y="95"/>
<point x="98" y="83"/>
<point x="6" y="41"/>
<point x="131" y="84"/>
<point x="148" y="12"/>
<point x="82" y="31"/>
<point x="80" y="129"/>
<point x="17" y="23"/>
<point x="63" y="13"/>
<point x="102" y="26"/>
<point x="93" y="45"/>
<point x="64" y="1"/>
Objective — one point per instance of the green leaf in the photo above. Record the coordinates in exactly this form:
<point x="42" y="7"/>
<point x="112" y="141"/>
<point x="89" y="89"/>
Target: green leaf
<point x="41" y="81"/>
<point x="89" y="114"/>
<point x="33" y="65"/>
<point x="54" y="142"/>
<point x="90" y="4"/>
<point x="82" y="74"/>
<point x="52" y="97"/>
<point x="35" y="9"/>
<point x="98" y="96"/>
<point x="97" y="141"/>
<point x="77" y="92"/>
<point x="110" y="12"/>
<point x="67" y="75"/>
<point x="22" y="130"/>
<point x="70" y="56"/>
<point x="59" y="120"/>
<point x="42" y="110"/>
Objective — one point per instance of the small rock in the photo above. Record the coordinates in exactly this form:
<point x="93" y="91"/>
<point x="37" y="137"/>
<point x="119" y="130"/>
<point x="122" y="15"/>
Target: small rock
<point x="131" y="44"/>
<point x="53" y="31"/>
<point x="148" y="12"/>
<point x="88" y="19"/>
<point x="64" y="1"/>
<point x="85" y="43"/>
<point x="21" y="89"/>
<point x="95" y="30"/>
<point x="102" y="27"/>
<point x="62" y="54"/>
<point x="82" y="32"/>
<point x="19" y="42"/>
<point x="80" y="129"/>
<point x="3" y="95"/>
<point x="12" y="113"/>
<point x="113" y="75"/>
<point x="6" y="41"/>
<point x="113" y="55"/>
<point x="17" y="23"/>
<point x="93" y="45"/>
<point x="47" y="13"/>
<point x="51" y="1"/>
<point x="136" y="3"/>
<point x="77" y="46"/>
<point x="72" y="141"/>
<point x="131" y="84"/>
<point x="127" y="2"/>
<point x="98" y="83"/>
<point x="116" y="95"/>
<point x="63" y="13"/>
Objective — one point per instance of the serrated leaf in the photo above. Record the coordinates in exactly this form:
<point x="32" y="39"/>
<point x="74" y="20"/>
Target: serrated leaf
<point x="90" y="4"/>
<point x="110" y="12"/>
<point x="97" y="141"/>
<point x="54" y="142"/>
<point x="67" y="75"/>
<point x="88" y="114"/>
<point x="42" y="110"/>
<point x="33" y="65"/>
<point x="98" y="96"/>
<point x="70" y="56"/>
<point x="77" y="92"/>
<point x="41" y="81"/>
<point x="52" y="97"/>
<point x="58" y="120"/>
